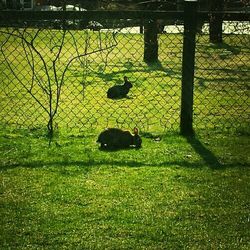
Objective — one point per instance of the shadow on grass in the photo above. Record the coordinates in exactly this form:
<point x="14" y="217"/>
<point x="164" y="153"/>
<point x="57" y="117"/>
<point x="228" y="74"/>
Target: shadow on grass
<point x="148" y="68"/>
<point x="233" y="49"/>
<point x="87" y="165"/>
<point x="209" y="158"/>
<point x="115" y="149"/>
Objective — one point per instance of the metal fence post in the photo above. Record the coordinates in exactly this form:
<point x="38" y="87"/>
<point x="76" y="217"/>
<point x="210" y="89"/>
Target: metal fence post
<point x="188" y="59"/>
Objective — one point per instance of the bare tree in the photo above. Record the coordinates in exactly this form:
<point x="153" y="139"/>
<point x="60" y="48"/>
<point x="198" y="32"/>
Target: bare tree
<point x="215" y="21"/>
<point x="151" y="42"/>
<point x="48" y="62"/>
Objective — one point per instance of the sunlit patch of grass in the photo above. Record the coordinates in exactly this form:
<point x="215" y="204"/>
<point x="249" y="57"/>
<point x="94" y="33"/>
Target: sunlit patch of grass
<point x="174" y="192"/>
<point x="220" y="88"/>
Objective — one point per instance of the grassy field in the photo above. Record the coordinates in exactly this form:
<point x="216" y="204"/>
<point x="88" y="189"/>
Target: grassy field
<point x="221" y="86"/>
<point x="174" y="193"/>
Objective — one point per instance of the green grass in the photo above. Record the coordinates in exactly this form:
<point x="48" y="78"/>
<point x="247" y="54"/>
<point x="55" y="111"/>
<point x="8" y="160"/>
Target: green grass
<point x="221" y="86"/>
<point x="173" y="193"/>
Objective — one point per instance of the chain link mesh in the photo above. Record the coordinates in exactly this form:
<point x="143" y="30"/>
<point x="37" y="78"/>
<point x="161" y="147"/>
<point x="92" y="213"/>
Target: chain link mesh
<point x="39" y="65"/>
<point x="222" y="78"/>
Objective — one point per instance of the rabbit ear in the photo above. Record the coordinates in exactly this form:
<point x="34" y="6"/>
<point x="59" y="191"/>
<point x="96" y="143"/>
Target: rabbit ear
<point x="136" y="131"/>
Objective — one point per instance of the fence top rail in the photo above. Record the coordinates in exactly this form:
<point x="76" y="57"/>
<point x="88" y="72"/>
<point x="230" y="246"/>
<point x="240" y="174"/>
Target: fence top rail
<point x="226" y="15"/>
<point x="96" y="15"/>
<point x="17" y="15"/>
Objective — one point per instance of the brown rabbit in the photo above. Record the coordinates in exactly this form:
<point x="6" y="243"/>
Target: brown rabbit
<point x="119" y="91"/>
<point x="115" y="138"/>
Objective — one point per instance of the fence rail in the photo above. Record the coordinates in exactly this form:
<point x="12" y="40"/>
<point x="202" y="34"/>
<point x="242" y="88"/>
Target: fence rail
<point x="8" y="15"/>
<point x="58" y="75"/>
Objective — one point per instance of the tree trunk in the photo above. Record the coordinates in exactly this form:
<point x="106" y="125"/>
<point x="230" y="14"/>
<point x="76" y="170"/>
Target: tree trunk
<point x="150" y="42"/>
<point x="215" y="22"/>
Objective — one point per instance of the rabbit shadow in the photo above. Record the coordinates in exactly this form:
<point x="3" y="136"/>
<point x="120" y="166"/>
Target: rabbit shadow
<point x="115" y="149"/>
<point x="121" y="98"/>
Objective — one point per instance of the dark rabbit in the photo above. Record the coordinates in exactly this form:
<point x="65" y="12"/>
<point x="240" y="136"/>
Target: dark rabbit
<point x="119" y="91"/>
<point x="114" y="138"/>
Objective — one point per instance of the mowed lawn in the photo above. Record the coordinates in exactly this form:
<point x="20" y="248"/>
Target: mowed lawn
<point x="174" y="193"/>
<point x="91" y="62"/>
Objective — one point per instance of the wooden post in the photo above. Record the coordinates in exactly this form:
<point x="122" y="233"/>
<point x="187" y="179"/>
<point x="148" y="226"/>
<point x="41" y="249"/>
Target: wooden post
<point x="188" y="59"/>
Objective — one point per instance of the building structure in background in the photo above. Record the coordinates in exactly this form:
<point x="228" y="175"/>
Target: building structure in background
<point x="168" y="5"/>
<point x="35" y="4"/>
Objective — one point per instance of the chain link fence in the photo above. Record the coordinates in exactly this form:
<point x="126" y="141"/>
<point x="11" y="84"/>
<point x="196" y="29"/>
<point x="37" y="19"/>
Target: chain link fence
<point x="222" y="79"/>
<point x="56" y="70"/>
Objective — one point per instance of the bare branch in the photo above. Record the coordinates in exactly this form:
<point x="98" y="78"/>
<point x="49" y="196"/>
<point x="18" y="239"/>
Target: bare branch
<point x="31" y="51"/>
<point x="13" y="72"/>
<point x="88" y="53"/>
